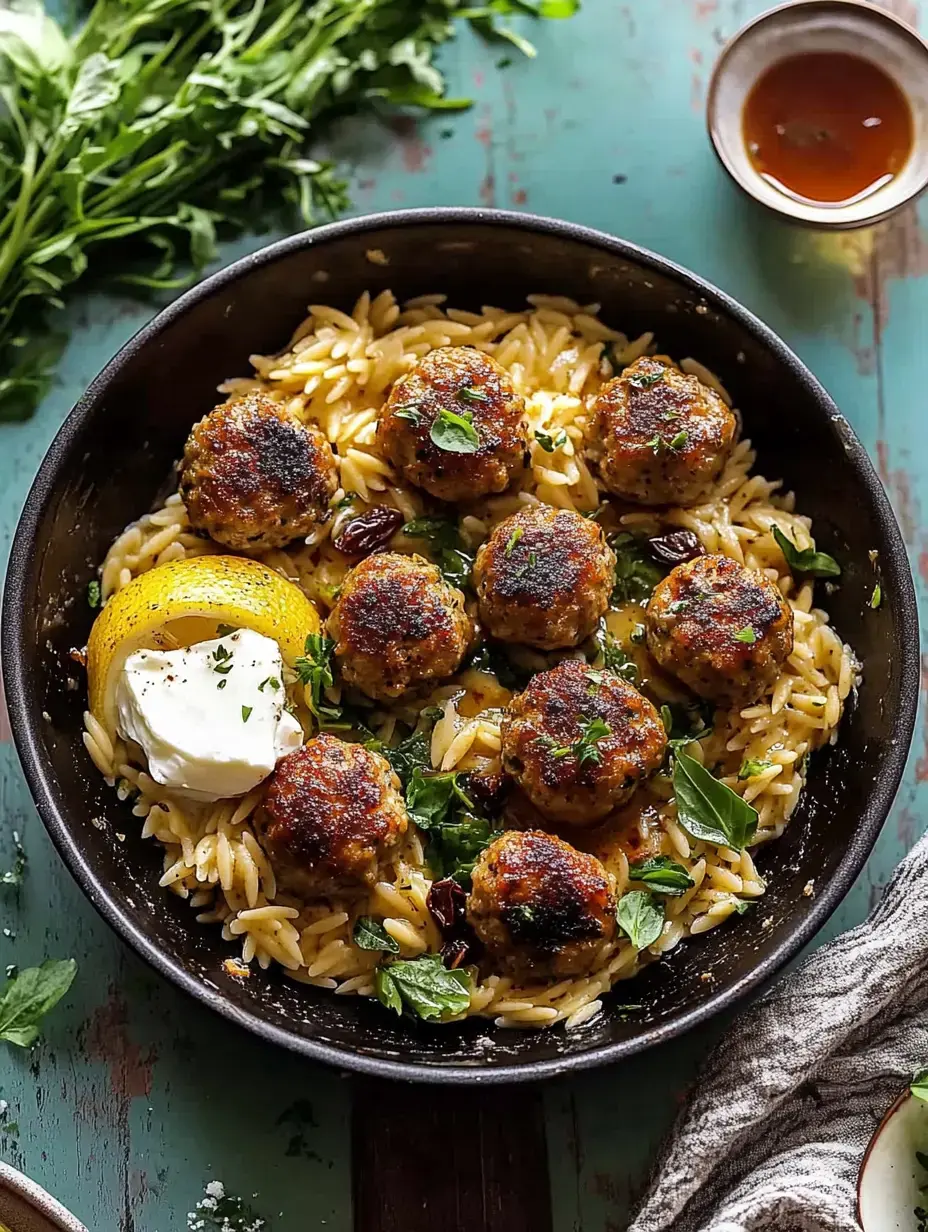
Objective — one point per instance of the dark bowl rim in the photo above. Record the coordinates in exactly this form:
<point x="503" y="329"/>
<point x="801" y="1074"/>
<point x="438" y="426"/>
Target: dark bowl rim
<point x="898" y="588"/>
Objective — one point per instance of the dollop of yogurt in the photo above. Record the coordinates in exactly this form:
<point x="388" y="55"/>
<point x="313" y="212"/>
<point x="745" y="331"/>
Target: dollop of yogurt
<point x="210" y="718"/>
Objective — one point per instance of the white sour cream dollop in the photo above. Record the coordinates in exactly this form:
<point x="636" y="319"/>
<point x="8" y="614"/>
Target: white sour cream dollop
<point x="210" y="718"/>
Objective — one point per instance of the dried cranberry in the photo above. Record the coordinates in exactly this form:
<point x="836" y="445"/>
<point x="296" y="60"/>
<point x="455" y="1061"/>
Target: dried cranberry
<point x="369" y="531"/>
<point x="488" y="790"/>
<point x="676" y="547"/>
<point x="447" y="903"/>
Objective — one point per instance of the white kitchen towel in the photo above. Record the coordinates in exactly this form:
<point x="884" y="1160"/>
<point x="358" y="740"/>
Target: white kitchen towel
<point x="776" y="1126"/>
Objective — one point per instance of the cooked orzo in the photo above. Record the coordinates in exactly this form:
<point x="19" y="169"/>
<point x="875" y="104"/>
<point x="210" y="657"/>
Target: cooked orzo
<point x="486" y="785"/>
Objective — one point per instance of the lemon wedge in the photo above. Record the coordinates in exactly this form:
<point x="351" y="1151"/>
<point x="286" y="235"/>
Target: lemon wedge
<point x="185" y="601"/>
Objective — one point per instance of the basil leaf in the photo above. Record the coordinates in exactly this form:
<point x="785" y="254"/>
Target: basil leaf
<point x="424" y="986"/>
<point x="919" y="1086"/>
<point x="806" y="560"/>
<point x="640" y="917"/>
<point x="455" y="847"/>
<point x="707" y="809"/>
<point x="636" y="574"/>
<point x="28" y="997"/>
<point x="662" y="875"/>
<point x="429" y="797"/>
<point x="454" y="433"/>
<point x="411" y="754"/>
<point x="370" y="934"/>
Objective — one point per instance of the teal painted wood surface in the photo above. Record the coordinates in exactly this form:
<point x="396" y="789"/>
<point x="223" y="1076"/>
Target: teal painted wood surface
<point x="137" y="1098"/>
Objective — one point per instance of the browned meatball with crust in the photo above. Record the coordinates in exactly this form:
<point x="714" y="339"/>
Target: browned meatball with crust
<point x="398" y="625"/>
<point x="722" y="629"/>
<point x="579" y="741"/>
<point x="334" y="813"/>
<point x="419" y="436"/>
<point x="254" y="477"/>
<point x="541" y="908"/>
<point x="663" y="437"/>
<point x="544" y="578"/>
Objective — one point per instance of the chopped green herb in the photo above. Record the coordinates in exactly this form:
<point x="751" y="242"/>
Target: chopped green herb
<point x="269" y="680"/>
<point x="644" y="380"/>
<point x="411" y="414"/>
<point x="29" y="995"/>
<point x="806" y="560"/>
<point x="591" y="732"/>
<point x="424" y="987"/>
<point x="743" y="905"/>
<point x="550" y="442"/>
<point x="655" y="444"/>
<point x="429" y="798"/>
<point x="616" y="660"/>
<point x="662" y="876"/>
<point x="246" y="713"/>
<point x="222" y="684"/>
<point x="468" y="393"/>
<point x="314" y="669"/>
<point x="370" y="934"/>
<point x="454" y="433"/>
<point x="640" y="917"/>
<point x="707" y="809"/>
<point x="344" y="501"/>
<point x="636" y="574"/>
<point x="746" y="635"/>
<point x="678" y="441"/>
<point x="93" y="594"/>
<point x="513" y="540"/>
<point x="751" y="767"/>
<point x="877" y="597"/>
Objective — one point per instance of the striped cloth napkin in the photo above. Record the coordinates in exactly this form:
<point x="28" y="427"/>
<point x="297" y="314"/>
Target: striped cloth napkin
<point x="773" y="1134"/>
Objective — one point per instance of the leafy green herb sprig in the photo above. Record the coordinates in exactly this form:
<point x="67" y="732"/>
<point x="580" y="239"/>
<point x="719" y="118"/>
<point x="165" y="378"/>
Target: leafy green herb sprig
<point x="128" y="146"/>
<point x="806" y="560"/>
<point x="445" y="546"/>
<point x="457" y="833"/>
<point x="314" y="670"/>
<point x="636" y="574"/>
<point x="423" y="987"/>
<point x="29" y="995"/>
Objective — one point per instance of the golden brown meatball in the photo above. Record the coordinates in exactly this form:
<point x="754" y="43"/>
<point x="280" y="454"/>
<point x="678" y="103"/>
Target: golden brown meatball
<point x="544" y="578"/>
<point x="663" y="437"/>
<point x="254" y="477"/>
<point x="579" y="741"/>
<point x="541" y="908"/>
<point x="456" y="381"/>
<point x="722" y="629"/>
<point x="397" y="625"/>
<point x="334" y="812"/>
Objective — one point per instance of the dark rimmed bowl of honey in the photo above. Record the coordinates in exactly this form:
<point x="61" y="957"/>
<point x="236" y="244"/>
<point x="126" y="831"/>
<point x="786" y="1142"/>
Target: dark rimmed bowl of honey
<point x="818" y="109"/>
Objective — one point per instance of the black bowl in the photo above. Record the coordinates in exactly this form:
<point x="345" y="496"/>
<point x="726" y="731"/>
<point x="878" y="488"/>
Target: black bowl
<point x="111" y="456"/>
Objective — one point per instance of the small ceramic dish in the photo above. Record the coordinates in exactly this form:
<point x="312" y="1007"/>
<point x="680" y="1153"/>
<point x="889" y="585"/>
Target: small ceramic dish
<point x="26" y="1207"/>
<point x="891" y="1181"/>
<point x="852" y="27"/>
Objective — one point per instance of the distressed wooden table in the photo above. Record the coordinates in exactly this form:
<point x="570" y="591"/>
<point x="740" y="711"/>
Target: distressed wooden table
<point x="137" y="1098"/>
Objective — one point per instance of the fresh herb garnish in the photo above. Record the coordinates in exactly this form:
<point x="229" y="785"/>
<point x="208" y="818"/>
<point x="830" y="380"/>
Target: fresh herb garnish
<point x="746" y="635"/>
<point x="93" y="588"/>
<point x="370" y="934"/>
<point x="314" y="669"/>
<point x="513" y="540"/>
<point x="446" y="548"/>
<point x="616" y="660"/>
<point x="550" y="442"/>
<point x="585" y="747"/>
<point x="744" y="905"/>
<point x="806" y="560"/>
<point x="29" y="995"/>
<point x="412" y="414"/>
<point x="640" y="917"/>
<point x="344" y="501"/>
<point x="686" y="722"/>
<point x="424" y="987"/>
<point x="751" y="767"/>
<point x="128" y="144"/>
<point x="662" y="875"/>
<point x="877" y="597"/>
<point x="468" y="393"/>
<point x="221" y="657"/>
<point x="222" y="683"/>
<point x="707" y="809"/>
<point x="678" y="441"/>
<point x="644" y="380"/>
<point x="636" y="574"/>
<point x="269" y="680"/>
<point x="246" y="713"/>
<point x="454" y="433"/>
<point x="438" y="804"/>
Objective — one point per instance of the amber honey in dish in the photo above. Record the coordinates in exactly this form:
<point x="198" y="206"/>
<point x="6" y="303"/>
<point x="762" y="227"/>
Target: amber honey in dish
<point x="827" y="127"/>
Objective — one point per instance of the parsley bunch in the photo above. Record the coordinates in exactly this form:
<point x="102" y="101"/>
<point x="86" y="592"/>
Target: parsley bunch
<point x="130" y="143"/>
